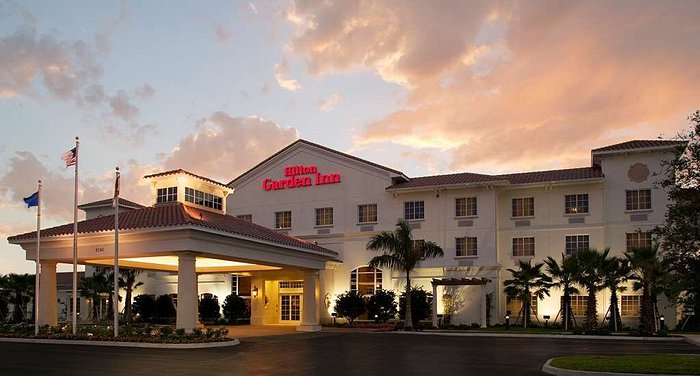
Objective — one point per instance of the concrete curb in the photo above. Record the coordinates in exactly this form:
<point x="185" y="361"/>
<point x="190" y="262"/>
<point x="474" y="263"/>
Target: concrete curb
<point x="693" y="339"/>
<point x="141" y="345"/>
<point x="548" y="369"/>
<point x="531" y="335"/>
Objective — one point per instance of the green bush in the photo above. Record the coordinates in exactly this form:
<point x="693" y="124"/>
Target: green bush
<point x="420" y="305"/>
<point x="145" y="307"/>
<point x="382" y="306"/>
<point x="209" y="308"/>
<point x="350" y="305"/>
<point x="165" y="308"/>
<point x="235" y="308"/>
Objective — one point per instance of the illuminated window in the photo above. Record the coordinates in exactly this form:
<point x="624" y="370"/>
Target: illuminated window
<point x="203" y="199"/>
<point x="367" y="213"/>
<point x="630" y="305"/>
<point x="465" y="207"/>
<point x="324" y="216"/>
<point x="466" y="246"/>
<point x="524" y="246"/>
<point x="283" y="219"/>
<point x="366" y="280"/>
<point x="575" y="243"/>
<point x="168" y="194"/>
<point x="515" y="306"/>
<point x="245" y="217"/>
<point x="576" y="204"/>
<point x="639" y="199"/>
<point x="234" y="284"/>
<point x="523" y="207"/>
<point x="578" y="304"/>
<point x="413" y="210"/>
<point x="638" y="239"/>
<point x="291" y="284"/>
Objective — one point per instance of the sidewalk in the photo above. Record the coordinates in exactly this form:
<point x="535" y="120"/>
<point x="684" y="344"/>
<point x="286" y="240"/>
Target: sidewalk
<point x="534" y="335"/>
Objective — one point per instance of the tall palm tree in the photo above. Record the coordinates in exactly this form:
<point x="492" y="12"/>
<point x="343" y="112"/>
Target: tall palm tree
<point x="648" y="273"/>
<point x="590" y="264"/>
<point x="528" y="281"/>
<point x="616" y="271"/>
<point x="93" y="288"/>
<point x="563" y="276"/>
<point x="404" y="254"/>
<point x="20" y="290"/>
<point x="127" y="280"/>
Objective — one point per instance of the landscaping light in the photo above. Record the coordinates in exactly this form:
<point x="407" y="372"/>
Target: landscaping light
<point x="662" y="323"/>
<point x="255" y="291"/>
<point x="507" y="322"/>
<point x="546" y="319"/>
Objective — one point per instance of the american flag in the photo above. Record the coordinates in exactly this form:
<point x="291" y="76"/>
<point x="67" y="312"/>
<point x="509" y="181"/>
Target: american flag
<point x="70" y="157"/>
<point x="116" y="190"/>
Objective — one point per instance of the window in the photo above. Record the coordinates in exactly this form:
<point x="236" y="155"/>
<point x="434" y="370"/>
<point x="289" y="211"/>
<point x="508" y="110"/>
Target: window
<point x="417" y="243"/>
<point x="630" y="305"/>
<point x="413" y="210"/>
<point x="166" y="195"/>
<point x="576" y="204"/>
<point x="575" y="243"/>
<point x="578" y="304"/>
<point x="245" y="217"/>
<point x="202" y="198"/>
<point x="366" y="280"/>
<point x="367" y="213"/>
<point x="234" y="284"/>
<point x="466" y="246"/>
<point x="523" y="247"/>
<point x="524" y="207"/>
<point x="324" y="216"/>
<point x="515" y="306"/>
<point x="639" y="199"/>
<point x="638" y="239"/>
<point x="291" y="284"/>
<point x="283" y="219"/>
<point x="465" y="207"/>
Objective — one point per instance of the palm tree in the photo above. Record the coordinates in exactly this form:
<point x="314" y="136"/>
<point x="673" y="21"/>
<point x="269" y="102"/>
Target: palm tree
<point x="616" y="271"/>
<point x="648" y="274"/>
<point x="564" y="275"/>
<point x="4" y="299"/>
<point x="93" y="288"/>
<point x="403" y="253"/>
<point x="590" y="264"/>
<point x="527" y="282"/>
<point x="19" y="288"/>
<point x="127" y="280"/>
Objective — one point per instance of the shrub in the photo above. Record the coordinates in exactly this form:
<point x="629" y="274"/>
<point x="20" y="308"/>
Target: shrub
<point x="350" y="305"/>
<point x="420" y="305"/>
<point x="209" y="308"/>
<point x="145" y="307"/>
<point x="166" y="330"/>
<point x="165" y="308"/>
<point x="382" y="306"/>
<point x="235" y="308"/>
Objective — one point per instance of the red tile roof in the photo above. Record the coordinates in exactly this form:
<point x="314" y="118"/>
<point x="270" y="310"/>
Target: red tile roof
<point x="581" y="173"/>
<point x="639" y="144"/>
<point x="108" y="202"/>
<point x="181" y="171"/>
<point x="175" y="215"/>
<point x="443" y="180"/>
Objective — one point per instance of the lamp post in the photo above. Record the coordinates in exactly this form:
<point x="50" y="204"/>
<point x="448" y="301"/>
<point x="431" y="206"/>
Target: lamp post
<point x="662" y="323"/>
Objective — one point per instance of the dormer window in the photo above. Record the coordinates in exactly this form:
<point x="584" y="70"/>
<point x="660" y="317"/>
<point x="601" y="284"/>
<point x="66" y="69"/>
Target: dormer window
<point x="168" y="194"/>
<point x="202" y="198"/>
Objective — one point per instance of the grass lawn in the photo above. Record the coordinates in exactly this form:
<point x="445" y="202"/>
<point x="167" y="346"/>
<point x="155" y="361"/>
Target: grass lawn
<point x="652" y="364"/>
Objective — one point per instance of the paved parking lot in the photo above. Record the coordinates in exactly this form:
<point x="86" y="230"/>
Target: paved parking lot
<point x="322" y="353"/>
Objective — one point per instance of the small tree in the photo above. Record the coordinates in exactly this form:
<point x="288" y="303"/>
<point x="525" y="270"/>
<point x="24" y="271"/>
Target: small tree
<point x="563" y="276"/>
<point x="350" y="305"/>
<point x="209" y="308"/>
<point x="165" y="308"/>
<point x="235" y="308"/>
<point x="145" y="307"/>
<point x="382" y="306"/>
<point x="528" y="281"/>
<point x="420" y="305"/>
<point x="616" y="271"/>
<point x="649" y="272"/>
<point x="127" y="280"/>
<point x="590" y="273"/>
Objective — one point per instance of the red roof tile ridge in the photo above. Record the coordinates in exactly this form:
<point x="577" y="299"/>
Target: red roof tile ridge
<point x="182" y="171"/>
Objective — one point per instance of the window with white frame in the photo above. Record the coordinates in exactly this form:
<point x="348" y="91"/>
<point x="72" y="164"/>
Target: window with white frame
<point x="168" y="194"/>
<point x="578" y="304"/>
<point x="245" y="217"/>
<point x="283" y="219"/>
<point x="575" y="243"/>
<point x="639" y="199"/>
<point x="367" y="213"/>
<point x="234" y="284"/>
<point x="202" y="198"/>
<point x="366" y="280"/>
<point x="465" y="207"/>
<point x="630" y="305"/>
<point x="523" y="247"/>
<point x="466" y="246"/>
<point x="413" y="210"/>
<point x="638" y="239"/>
<point x="523" y="207"/>
<point x="324" y="216"/>
<point x="515" y="306"/>
<point x="576" y="204"/>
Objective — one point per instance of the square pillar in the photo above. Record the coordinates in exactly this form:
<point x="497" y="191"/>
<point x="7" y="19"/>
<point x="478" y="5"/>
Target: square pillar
<point x="483" y="306"/>
<point x="187" y="307"/>
<point x="48" y="305"/>
<point x="309" y="313"/>
<point x="435" y="317"/>
<point x="257" y="303"/>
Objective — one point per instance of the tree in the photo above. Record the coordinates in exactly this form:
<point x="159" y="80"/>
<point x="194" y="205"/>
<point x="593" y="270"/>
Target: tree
<point x="235" y="308"/>
<point x="563" y="276"/>
<point x="616" y="271"/>
<point x="649" y="272"/>
<point x="93" y="288"/>
<point x="402" y="253"/>
<point x="19" y="290"/>
<point x="679" y="234"/>
<point x="127" y="280"/>
<point x="420" y="306"/>
<point x="165" y="307"/>
<point x="528" y="281"/>
<point x="145" y="307"/>
<point x="209" y="308"/>
<point x="4" y="300"/>
<point x="382" y="305"/>
<point x="350" y="305"/>
<point x="590" y="264"/>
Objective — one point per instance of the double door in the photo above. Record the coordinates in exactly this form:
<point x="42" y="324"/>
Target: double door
<point x="290" y="307"/>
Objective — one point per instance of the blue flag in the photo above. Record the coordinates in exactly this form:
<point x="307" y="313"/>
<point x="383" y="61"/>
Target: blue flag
<point x="32" y="200"/>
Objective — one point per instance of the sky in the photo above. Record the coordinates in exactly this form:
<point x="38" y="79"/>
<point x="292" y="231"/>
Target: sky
<point x="424" y="87"/>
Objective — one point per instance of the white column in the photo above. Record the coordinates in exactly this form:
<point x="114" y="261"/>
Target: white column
<point x="309" y="313"/>
<point x="187" y="309"/>
<point x="435" y="318"/>
<point x="48" y="306"/>
<point x="483" y="306"/>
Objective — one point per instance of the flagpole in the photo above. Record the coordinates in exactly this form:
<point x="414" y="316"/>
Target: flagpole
<point x="75" y="240"/>
<point x="38" y="263"/>
<point x="116" y="255"/>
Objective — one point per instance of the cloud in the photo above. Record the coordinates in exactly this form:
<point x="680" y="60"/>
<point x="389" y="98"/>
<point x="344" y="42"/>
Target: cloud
<point x="223" y="35"/>
<point x="122" y="107"/>
<point x="227" y="146"/>
<point x="327" y="104"/>
<point x="515" y="85"/>
<point x="281" y="71"/>
<point x="133" y="133"/>
<point x="145" y="92"/>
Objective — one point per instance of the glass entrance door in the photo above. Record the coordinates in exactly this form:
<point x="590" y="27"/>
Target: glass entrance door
<point x="290" y="305"/>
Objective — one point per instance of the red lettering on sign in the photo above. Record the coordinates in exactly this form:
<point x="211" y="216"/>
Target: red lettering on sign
<point x="293" y="180"/>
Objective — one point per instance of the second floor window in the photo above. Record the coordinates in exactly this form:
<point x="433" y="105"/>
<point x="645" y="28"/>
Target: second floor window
<point x="414" y="210"/>
<point x="166" y="194"/>
<point x="523" y="247"/>
<point x="639" y="199"/>
<point x="466" y="246"/>
<point x="465" y="207"/>
<point x="576" y="204"/>
<point x="283" y="219"/>
<point x="324" y="216"/>
<point x="638" y="239"/>
<point x="523" y="207"/>
<point x="202" y="198"/>
<point x="575" y="243"/>
<point x="245" y="217"/>
<point x="367" y="213"/>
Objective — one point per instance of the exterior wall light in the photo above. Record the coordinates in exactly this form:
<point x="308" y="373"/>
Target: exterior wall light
<point x="255" y="291"/>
